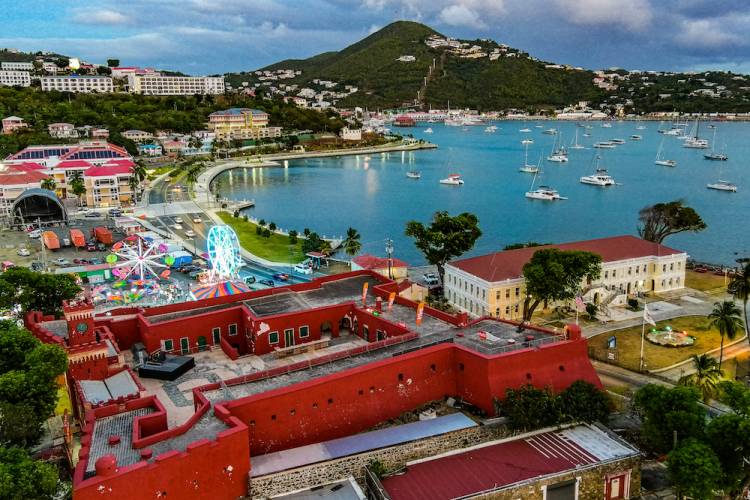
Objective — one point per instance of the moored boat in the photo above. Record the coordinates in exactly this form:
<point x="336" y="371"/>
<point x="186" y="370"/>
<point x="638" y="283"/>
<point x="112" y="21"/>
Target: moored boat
<point x="452" y="180"/>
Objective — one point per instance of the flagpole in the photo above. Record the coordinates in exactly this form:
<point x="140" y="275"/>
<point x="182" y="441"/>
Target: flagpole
<point x="643" y="334"/>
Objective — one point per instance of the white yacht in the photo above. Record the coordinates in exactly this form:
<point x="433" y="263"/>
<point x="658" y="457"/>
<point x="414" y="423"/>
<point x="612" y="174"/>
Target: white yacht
<point x="695" y="143"/>
<point x="452" y="180"/>
<point x="617" y="141"/>
<point x="414" y="174"/>
<point x="527" y="141"/>
<point x="636" y="137"/>
<point x="543" y="192"/>
<point x="722" y="186"/>
<point x="576" y="144"/>
<point x="525" y="130"/>
<point x="606" y="125"/>
<point x="428" y="130"/>
<point x="660" y="159"/>
<point x="640" y="127"/>
<point x="600" y="177"/>
<point x="713" y="155"/>
<point x="605" y="145"/>
<point x="550" y="131"/>
<point x="558" y="157"/>
<point x="526" y="167"/>
<point x="490" y="129"/>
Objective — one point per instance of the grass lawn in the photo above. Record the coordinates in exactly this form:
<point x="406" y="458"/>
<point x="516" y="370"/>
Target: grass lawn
<point x="655" y="356"/>
<point x="63" y="402"/>
<point x="704" y="281"/>
<point x="275" y="248"/>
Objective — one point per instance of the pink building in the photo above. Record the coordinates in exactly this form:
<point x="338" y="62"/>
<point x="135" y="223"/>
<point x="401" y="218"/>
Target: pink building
<point x="13" y="123"/>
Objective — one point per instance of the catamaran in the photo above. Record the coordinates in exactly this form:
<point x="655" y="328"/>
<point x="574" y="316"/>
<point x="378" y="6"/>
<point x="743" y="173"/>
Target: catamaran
<point x="545" y="193"/>
<point x="526" y="167"/>
<point x="617" y="141"/>
<point x="660" y="160"/>
<point x="452" y="180"/>
<point x="722" y="186"/>
<point x="605" y="145"/>
<point x="600" y="177"/>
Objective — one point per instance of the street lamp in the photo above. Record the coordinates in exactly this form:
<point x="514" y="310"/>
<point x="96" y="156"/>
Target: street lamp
<point x="389" y="251"/>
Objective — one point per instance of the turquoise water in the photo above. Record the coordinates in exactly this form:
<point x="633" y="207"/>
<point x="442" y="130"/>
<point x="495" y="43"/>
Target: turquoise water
<point x="375" y="196"/>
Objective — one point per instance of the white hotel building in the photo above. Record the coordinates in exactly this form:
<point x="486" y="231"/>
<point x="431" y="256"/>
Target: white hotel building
<point x="16" y="66"/>
<point x="11" y="78"/>
<point x="175" y="85"/>
<point x="76" y="83"/>
<point x="493" y="284"/>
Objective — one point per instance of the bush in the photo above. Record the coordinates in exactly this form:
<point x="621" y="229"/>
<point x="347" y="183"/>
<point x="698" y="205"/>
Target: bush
<point x="272" y="226"/>
<point x="293" y="237"/>
<point x="262" y="222"/>
<point x="236" y="214"/>
<point x="530" y="408"/>
<point x="258" y="230"/>
<point x="266" y="233"/>
<point x="583" y="402"/>
<point x="591" y="310"/>
<point x="245" y="218"/>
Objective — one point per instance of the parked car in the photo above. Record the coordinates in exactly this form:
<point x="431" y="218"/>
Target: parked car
<point x="178" y="220"/>
<point x="266" y="282"/>
<point x="81" y="261"/>
<point x="101" y="247"/>
<point x="95" y="261"/>
<point x="23" y="252"/>
<point x="36" y="233"/>
<point x="430" y="279"/>
<point x="91" y="246"/>
<point x="37" y="266"/>
<point x="61" y="262"/>
<point x="114" y="212"/>
<point x="250" y="280"/>
<point x="93" y="214"/>
<point x="177" y="226"/>
<point x="194" y="274"/>
<point x="190" y="233"/>
<point x="197" y="220"/>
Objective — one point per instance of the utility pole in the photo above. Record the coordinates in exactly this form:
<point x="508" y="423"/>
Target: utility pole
<point x="389" y="251"/>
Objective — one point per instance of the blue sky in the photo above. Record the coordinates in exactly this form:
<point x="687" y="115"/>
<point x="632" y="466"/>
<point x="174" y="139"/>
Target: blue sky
<point x="215" y="36"/>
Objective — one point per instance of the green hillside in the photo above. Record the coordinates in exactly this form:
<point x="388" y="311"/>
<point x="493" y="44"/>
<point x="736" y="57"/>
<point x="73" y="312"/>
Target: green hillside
<point x="371" y="65"/>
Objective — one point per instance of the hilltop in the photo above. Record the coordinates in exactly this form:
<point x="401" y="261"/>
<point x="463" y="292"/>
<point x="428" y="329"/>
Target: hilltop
<point x="388" y="69"/>
<point x="465" y="80"/>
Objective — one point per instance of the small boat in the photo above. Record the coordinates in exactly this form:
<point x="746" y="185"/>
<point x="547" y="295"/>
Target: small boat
<point x="539" y="126"/>
<point x="527" y="141"/>
<point x="576" y="144"/>
<point x="525" y="130"/>
<point x="491" y="129"/>
<point x="716" y="156"/>
<point x="695" y="143"/>
<point x="550" y="131"/>
<point x="428" y="130"/>
<point x="640" y="127"/>
<point x="558" y="157"/>
<point x="606" y="125"/>
<point x="452" y="180"/>
<point x="617" y="141"/>
<point x="526" y="167"/>
<point x="600" y="177"/>
<point x="636" y="137"/>
<point x="542" y="192"/>
<point x="414" y="174"/>
<point x="660" y="160"/>
<point x="722" y="186"/>
<point x="605" y="145"/>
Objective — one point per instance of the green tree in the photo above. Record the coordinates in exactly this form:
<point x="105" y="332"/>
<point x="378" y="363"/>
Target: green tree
<point x="262" y="223"/>
<point x="583" y="402"/>
<point x="77" y="185"/>
<point x="556" y="275"/>
<point x="729" y="437"/>
<point x="736" y="395"/>
<point x="306" y="232"/>
<point x="445" y="238"/>
<point x="113" y="63"/>
<point x="22" y="478"/>
<point x="727" y="318"/>
<point x="313" y="243"/>
<point x="669" y="413"/>
<point x="49" y="183"/>
<point x="28" y="387"/>
<point x="661" y="220"/>
<point x="706" y="376"/>
<point x="34" y="291"/>
<point x="695" y="470"/>
<point x="739" y="287"/>
<point x="272" y="226"/>
<point x="293" y="235"/>
<point x="351" y="243"/>
<point x="530" y="408"/>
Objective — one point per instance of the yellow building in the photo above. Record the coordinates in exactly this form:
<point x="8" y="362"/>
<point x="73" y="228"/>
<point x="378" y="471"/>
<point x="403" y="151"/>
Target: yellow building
<point x="241" y="123"/>
<point x="493" y="284"/>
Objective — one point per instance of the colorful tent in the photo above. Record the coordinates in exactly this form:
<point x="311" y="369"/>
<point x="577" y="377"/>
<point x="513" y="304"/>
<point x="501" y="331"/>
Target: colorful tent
<point x="223" y="289"/>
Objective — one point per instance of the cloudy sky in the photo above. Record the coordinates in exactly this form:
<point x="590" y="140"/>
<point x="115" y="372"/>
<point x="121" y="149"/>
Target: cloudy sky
<point x="213" y="36"/>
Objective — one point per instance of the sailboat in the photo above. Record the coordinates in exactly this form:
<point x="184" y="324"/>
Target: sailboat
<point x="558" y="155"/>
<point x="545" y="193"/>
<point x="527" y="141"/>
<point x="660" y="160"/>
<point x="696" y="142"/>
<point x="526" y="168"/>
<point x="600" y="177"/>
<point x="722" y="185"/>
<point x="713" y="155"/>
<point x="575" y="144"/>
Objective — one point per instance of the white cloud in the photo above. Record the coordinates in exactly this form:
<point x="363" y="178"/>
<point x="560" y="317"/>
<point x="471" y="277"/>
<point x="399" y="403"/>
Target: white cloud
<point x="633" y="15"/>
<point x="707" y="34"/>
<point x="100" y="16"/>
<point x="461" y="15"/>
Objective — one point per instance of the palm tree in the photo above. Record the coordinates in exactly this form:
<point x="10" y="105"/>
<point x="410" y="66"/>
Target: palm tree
<point x="351" y="243"/>
<point x="739" y="287"/>
<point x="77" y="185"/>
<point x="49" y="184"/>
<point x="139" y="170"/>
<point x="727" y="318"/>
<point x="706" y="376"/>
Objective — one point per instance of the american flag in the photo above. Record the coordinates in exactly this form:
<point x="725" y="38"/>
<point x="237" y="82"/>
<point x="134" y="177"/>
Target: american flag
<point x="579" y="303"/>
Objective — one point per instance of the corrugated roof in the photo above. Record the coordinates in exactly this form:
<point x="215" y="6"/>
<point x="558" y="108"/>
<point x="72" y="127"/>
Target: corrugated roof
<point x="503" y="464"/>
<point x="509" y="264"/>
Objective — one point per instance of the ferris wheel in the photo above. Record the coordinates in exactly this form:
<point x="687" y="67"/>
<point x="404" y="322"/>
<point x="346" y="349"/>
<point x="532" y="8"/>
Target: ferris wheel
<point x="135" y="255"/>
<point x="223" y="249"/>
